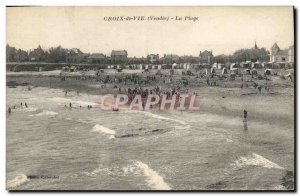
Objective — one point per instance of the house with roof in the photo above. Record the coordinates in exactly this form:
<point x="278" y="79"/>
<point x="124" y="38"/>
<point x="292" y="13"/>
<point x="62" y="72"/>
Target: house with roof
<point x="206" y="57"/>
<point x="118" y="56"/>
<point x="282" y="56"/>
<point x="74" y="55"/>
<point x="97" y="58"/>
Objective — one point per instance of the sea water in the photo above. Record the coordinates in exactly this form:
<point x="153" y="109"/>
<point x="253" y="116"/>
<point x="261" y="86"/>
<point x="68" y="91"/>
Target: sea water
<point x="90" y="149"/>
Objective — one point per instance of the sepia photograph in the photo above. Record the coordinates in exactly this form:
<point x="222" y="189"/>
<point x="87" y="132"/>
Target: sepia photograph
<point x="150" y="98"/>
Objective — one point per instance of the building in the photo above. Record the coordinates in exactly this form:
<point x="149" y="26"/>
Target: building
<point x="285" y="56"/>
<point x="74" y="55"/>
<point x="37" y="54"/>
<point x="153" y="58"/>
<point x="97" y="58"/>
<point x="169" y="59"/>
<point x="118" y="56"/>
<point x="206" y="57"/>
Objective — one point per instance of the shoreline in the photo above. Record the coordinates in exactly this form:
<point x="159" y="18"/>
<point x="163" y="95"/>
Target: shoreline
<point x="274" y="108"/>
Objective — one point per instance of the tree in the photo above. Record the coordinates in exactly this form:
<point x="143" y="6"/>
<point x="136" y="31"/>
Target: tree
<point x="15" y="55"/>
<point x="57" y="54"/>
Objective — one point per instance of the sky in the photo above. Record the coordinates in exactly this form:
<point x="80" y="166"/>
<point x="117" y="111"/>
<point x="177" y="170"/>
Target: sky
<point x="220" y="29"/>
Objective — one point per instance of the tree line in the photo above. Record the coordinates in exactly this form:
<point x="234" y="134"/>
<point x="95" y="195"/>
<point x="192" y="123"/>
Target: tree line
<point x="252" y="54"/>
<point x="53" y="54"/>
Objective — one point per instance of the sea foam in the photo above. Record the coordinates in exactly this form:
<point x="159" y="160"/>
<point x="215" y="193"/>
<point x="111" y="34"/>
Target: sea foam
<point x="149" y="114"/>
<point x="45" y="113"/>
<point x="155" y="181"/>
<point x="17" y="181"/>
<point x="256" y="160"/>
<point x="102" y="129"/>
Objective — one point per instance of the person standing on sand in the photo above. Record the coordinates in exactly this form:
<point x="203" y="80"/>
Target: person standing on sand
<point x="9" y="110"/>
<point x="245" y="114"/>
<point x="259" y="89"/>
<point x="21" y="104"/>
<point x="26" y="105"/>
<point x="70" y="104"/>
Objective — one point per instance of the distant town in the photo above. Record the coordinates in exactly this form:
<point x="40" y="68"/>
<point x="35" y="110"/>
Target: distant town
<point x="56" y="57"/>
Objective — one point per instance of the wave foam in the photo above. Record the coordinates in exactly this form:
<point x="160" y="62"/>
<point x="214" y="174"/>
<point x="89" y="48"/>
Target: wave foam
<point x="17" y="181"/>
<point x="154" y="179"/>
<point x="116" y="171"/>
<point x="101" y="129"/>
<point x="45" y="113"/>
<point x="256" y="160"/>
<point x="157" y="116"/>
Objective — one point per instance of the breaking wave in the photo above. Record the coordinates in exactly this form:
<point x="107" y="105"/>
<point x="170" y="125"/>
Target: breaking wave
<point x="101" y="129"/>
<point x="115" y="171"/>
<point x="256" y="160"/>
<point x="17" y="181"/>
<point x="157" y="116"/>
<point x="154" y="179"/>
<point x="45" y="113"/>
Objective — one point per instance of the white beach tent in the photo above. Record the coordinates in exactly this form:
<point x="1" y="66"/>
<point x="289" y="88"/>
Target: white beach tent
<point x="215" y="65"/>
<point x="224" y="70"/>
<point x="174" y="66"/>
<point x="233" y="66"/>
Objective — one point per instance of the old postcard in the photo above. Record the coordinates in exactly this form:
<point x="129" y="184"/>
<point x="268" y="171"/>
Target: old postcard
<point x="150" y="98"/>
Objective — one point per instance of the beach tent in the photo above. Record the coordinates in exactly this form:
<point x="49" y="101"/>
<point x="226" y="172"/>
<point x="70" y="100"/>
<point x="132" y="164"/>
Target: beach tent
<point x="268" y="71"/>
<point x="212" y="70"/>
<point x="233" y="66"/>
<point x="174" y="66"/>
<point x="224" y="70"/>
<point x="253" y="72"/>
<point x="140" y="66"/>
<point x="186" y="66"/>
<point x="215" y="66"/>
<point x="246" y="64"/>
<point x="256" y="65"/>
<point x="72" y="68"/>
